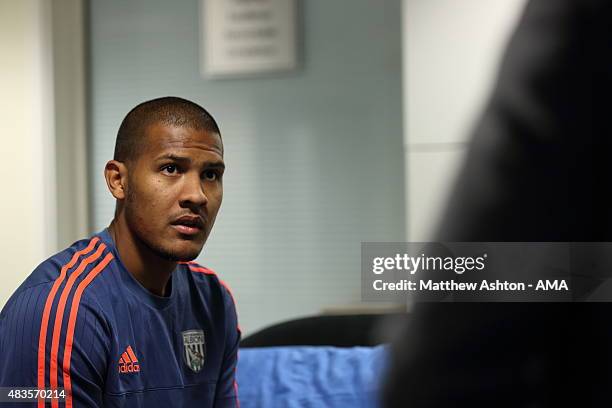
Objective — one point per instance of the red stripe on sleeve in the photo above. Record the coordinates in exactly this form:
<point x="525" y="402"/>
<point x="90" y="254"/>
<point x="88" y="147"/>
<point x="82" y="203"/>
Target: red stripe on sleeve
<point x="203" y="270"/>
<point x="74" y="310"/>
<point x="42" y="337"/>
<point x="59" y="317"/>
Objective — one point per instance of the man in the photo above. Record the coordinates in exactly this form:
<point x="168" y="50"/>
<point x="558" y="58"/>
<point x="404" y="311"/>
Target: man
<point x="125" y="318"/>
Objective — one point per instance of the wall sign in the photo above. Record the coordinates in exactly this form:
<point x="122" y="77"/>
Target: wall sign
<point x="247" y="37"/>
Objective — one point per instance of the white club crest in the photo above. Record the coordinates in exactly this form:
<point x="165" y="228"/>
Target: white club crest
<point x="195" y="347"/>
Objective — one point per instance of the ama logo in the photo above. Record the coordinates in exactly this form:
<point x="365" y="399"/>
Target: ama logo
<point x="128" y="363"/>
<point x="552" y="285"/>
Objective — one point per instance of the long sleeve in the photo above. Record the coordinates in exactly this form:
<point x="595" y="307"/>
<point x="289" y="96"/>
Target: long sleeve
<point x="48" y="344"/>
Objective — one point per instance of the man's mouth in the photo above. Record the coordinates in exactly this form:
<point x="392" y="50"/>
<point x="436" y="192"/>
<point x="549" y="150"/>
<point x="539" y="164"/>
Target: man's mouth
<point x="189" y="224"/>
<point x="184" y="229"/>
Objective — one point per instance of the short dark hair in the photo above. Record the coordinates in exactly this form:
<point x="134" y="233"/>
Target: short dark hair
<point x="169" y="110"/>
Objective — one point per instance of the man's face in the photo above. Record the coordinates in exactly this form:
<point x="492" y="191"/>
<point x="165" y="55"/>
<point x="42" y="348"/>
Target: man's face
<point x="175" y="190"/>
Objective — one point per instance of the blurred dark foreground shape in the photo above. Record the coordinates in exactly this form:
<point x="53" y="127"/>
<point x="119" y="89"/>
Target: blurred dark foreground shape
<point x="538" y="170"/>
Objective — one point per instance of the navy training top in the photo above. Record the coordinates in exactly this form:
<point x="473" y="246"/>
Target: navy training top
<point x="81" y="322"/>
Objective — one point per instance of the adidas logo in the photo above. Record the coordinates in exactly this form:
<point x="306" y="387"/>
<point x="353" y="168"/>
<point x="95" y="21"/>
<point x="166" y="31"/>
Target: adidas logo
<point x="128" y="363"/>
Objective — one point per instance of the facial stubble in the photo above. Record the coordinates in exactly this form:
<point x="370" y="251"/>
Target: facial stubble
<point x="135" y="221"/>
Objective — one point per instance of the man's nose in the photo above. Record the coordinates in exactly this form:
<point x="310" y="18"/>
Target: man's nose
<point x="193" y="191"/>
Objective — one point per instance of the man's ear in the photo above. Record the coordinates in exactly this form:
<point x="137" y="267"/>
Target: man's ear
<point x="116" y="175"/>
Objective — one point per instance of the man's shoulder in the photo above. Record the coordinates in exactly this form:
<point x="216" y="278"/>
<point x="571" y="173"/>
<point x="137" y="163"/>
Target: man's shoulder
<point x="82" y="260"/>
<point x="219" y="293"/>
<point x="57" y="289"/>
<point x="80" y="252"/>
<point x="206" y="277"/>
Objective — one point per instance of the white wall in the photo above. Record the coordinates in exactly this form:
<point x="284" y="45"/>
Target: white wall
<point x="26" y="121"/>
<point x="43" y="183"/>
<point x="451" y="53"/>
<point x="70" y="121"/>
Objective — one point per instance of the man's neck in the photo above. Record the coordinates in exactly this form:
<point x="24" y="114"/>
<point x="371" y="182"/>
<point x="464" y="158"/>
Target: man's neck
<point x="152" y="271"/>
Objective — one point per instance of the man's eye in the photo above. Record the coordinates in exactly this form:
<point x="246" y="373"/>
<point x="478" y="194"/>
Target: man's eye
<point x="210" y="175"/>
<point x="170" y="169"/>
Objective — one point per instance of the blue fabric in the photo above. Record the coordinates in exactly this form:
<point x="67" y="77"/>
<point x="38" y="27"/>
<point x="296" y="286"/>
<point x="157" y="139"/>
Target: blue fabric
<point x="331" y="377"/>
